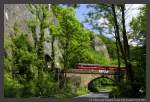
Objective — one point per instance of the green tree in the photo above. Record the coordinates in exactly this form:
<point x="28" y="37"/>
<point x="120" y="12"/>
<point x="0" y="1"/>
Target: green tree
<point x="138" y="27"/>
<point x="41" y="14"/>
<point x="138" y="34"/>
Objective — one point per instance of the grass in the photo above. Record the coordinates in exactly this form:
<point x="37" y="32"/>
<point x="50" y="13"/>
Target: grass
<point x="106" y="88"/>
<point x="82" y="91"/>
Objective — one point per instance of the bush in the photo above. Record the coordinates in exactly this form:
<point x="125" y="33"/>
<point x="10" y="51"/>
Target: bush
<point x="29" y="89"/>
<point x="81" y="91"/>
<point x="47" y="86"/>
<point x="123" y="90"/>
<point x="12" y="88"/>
<point x="96" y="57"/>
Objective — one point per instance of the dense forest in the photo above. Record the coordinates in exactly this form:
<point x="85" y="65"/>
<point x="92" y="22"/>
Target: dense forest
<point x="30" y="70"/>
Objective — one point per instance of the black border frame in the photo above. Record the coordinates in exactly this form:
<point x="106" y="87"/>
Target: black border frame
<point x="2" y="2"/>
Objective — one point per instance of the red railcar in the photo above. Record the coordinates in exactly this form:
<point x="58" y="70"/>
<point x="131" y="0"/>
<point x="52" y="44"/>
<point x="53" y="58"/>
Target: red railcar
<point x="82" y="66"/>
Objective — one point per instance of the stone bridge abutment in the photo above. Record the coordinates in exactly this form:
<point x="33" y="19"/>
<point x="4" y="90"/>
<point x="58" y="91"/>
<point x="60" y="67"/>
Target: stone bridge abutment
<point x="83" y="79"/>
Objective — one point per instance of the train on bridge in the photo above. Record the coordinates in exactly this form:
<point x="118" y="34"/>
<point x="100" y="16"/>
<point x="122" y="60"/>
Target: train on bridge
<point x="97" y="67"/>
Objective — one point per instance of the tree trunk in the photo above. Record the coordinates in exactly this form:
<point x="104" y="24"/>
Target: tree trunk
<point x="126" y="47"/>
<point x="125" y="39"/>
<point x="118" y="42"/>
<point x="117" y="31"/>
<point x="118" y="57"/>
<point x="53" y="52"/>
<point x="40" y="53"/>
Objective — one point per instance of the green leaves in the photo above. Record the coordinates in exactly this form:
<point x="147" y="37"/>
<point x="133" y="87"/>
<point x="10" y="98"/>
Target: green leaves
<point x="34" y="21"/>
<point x="69" y="42"/>
<point x="138" y="27"/>
<point x="102" y="85"/>
<point x="71" y="35"/>
<point x="12" y="88"/>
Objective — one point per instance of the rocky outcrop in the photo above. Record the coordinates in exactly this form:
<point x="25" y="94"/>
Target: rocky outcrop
<point x="15" y="13"/>
<point x="100" y="46"/>
<point x="20" y="14"/>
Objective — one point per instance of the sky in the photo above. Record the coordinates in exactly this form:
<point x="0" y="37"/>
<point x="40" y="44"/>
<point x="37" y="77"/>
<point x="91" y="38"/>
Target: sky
<point x="132" y="12"/>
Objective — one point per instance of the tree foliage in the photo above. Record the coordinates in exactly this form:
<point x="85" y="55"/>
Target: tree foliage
<point x="27" y="72"/>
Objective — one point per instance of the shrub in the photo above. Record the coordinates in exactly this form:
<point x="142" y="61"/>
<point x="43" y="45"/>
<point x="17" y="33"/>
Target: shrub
<point x="12" y="88"/>
<point x="81" y="91"/>
<point x="29" y="89"/>
<point x="123" y="90"/>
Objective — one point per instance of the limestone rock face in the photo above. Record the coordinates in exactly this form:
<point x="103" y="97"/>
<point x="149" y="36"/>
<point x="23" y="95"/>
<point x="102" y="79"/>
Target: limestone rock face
<point x="20" y="14"/>
<point x="15" y="13"/>
<point x="100" y="46"/>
